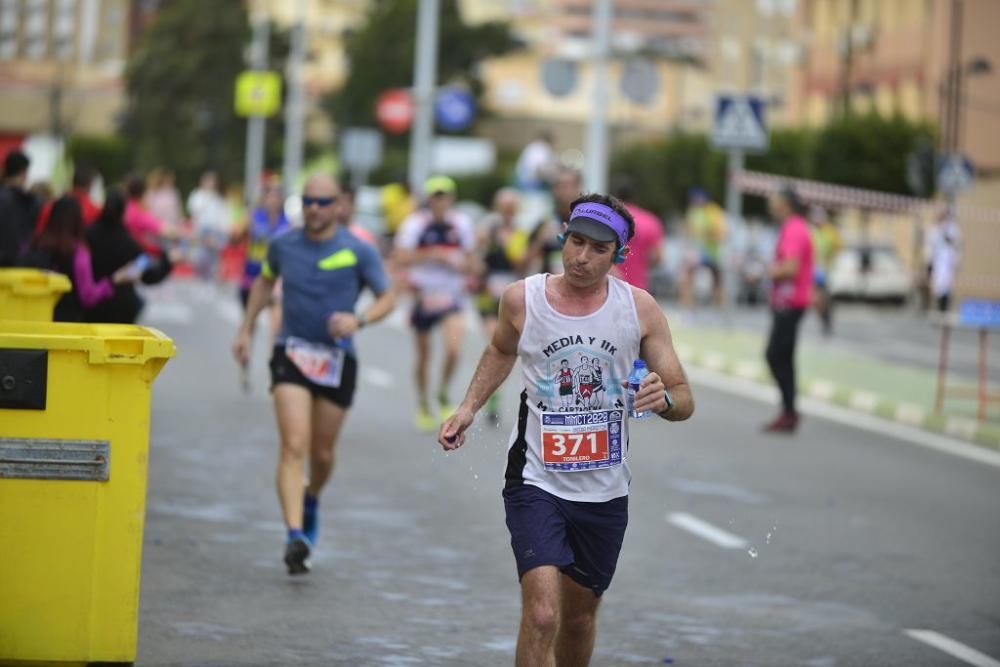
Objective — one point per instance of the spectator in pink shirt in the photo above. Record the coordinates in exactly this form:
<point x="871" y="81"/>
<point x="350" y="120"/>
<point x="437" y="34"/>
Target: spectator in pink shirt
<point x="144" y="227"/>
<point x="791" y="293"/>
<point x="646" y="247"/>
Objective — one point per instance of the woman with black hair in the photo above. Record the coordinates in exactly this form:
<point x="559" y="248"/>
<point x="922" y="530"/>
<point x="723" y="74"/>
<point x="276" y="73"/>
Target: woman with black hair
<point x="61" y="247"/>
<point x="113" y="247"/>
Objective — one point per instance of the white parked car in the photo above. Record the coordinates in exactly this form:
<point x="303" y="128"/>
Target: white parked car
<point x="882" y="277"/>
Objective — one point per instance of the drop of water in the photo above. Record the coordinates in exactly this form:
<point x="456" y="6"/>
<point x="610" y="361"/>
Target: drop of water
<point x="769" y="538"/>
<point x="476" y="476"/>
<point x="753" y="552"/>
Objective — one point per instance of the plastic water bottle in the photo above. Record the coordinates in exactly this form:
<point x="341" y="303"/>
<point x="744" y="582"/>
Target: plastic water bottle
<point x="639" y="371"/>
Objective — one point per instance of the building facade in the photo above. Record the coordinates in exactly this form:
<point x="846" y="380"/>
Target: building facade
<point x="61" y="66"/>
<point x="899" y="57"/>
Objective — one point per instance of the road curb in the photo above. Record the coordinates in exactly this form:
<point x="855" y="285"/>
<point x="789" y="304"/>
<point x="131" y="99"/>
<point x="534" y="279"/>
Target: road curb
<point x="961" y="428"/>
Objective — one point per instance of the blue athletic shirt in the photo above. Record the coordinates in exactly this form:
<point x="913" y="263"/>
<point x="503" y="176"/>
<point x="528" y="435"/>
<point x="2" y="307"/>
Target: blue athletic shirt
<point x="259" y="235"/>
<point x="320" y="278"/>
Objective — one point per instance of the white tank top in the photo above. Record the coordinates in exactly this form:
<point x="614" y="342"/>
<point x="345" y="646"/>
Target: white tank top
<point x="571" y="436"/>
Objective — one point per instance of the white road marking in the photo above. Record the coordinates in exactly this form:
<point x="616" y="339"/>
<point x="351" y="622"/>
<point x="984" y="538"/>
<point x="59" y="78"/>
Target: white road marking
<point x="910" y="414"/>
<point x="706" y="531"/>
<point x="378" y="377"/>
<point x="834" y="413"/>
<point x="953" y="648"/>
<point x="714" y="361"/>
<point x="823" y="389"/>
<point x="960" y="427"/>
<point x="864" y="401"/>
<point x="749" y="369"/>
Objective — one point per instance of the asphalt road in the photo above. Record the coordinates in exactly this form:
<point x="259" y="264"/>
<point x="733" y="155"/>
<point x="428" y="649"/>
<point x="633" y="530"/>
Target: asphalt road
<point x="822" y="550"/>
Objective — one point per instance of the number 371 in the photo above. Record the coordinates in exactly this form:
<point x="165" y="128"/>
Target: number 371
<point x="559" y="442"/>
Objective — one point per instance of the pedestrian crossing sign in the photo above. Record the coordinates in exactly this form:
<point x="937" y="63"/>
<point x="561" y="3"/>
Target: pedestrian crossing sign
<point x="739" y="123"/>
<point x="258" y="94"/>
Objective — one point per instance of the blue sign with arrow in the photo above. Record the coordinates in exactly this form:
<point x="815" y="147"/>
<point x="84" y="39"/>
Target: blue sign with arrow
<point x="454" y="109"/>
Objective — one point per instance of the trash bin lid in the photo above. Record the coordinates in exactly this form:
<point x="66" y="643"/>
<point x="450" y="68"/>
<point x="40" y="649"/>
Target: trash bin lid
<point x="34" y="281"/>
<point x="104" y="343"/>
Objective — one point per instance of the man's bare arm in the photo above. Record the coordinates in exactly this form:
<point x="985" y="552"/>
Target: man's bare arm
<point x="666" y="372"/>
<point x="494" y="366"/>
<point x="260" y="296"/>
<point x="501" y="353"/>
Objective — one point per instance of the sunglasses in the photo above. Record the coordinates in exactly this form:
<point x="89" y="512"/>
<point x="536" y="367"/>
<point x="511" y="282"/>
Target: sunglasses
<point x="318" y="201"/>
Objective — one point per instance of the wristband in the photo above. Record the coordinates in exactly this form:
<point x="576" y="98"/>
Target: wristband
<point x="362" y="321"/>
<point x="670" y="402"/>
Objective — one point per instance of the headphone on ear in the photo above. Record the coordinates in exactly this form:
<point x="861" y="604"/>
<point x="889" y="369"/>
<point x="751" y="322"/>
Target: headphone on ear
<point x="619" y="257"/>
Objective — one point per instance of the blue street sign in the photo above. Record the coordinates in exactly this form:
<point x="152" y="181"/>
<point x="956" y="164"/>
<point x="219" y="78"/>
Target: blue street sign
<point x="740" y="123"/>
<point x="955" y="173"/>
<point x="979" y="313"/>
<point x="454" y="109"/>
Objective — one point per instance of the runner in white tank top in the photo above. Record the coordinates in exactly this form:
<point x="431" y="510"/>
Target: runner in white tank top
<point x="577" y="462"/>
<point x="567" y="477"/>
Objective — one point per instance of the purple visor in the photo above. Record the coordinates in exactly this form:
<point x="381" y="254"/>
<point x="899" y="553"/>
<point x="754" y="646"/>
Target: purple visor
<point x="599" y="222"/>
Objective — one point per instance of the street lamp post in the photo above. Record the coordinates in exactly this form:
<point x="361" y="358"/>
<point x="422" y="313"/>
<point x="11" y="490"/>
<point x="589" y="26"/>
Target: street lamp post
<point x="424" y="77"/>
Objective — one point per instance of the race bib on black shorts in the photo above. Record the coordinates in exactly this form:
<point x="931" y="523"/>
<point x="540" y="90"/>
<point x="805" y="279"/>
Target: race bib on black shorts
<point x="321" y="364"/>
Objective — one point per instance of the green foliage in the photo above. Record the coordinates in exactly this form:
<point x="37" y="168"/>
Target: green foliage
<point x="381" y="56"/>
<point x="868" y="151"/>
<point x="663" y="172"/>
<point x="859" y="151"/>
<point x="180" y="85"/>
<point x="108" y="155"/>
<point x="790" y="154"/>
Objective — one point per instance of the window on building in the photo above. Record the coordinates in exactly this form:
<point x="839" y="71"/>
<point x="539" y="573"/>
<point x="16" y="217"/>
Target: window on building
<point x="111" y="46"/>
<point x="36" y="29"/>
<point x="9" y="19"/>
<point x="63" y="22"/>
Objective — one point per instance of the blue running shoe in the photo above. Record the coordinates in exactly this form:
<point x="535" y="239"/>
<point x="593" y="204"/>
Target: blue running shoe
<point x="310" y="518"/>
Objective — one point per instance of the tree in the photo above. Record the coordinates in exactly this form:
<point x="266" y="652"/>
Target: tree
<point x="663" y="172"/>
<point x="868" y="151"/>
<point x="381" y="56"/>
<point x="860" y="151"/>
<point x="180" y="85"/>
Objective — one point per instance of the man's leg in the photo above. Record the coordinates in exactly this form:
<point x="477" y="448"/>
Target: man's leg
<point x="684" y="291"/>
<point x="327" y="418"/>
<point x="578" y="624"/>
<point x="293" y="408"/>
<point x="718" y="288"/>
<point x="540" y="592"/>
<point x="423" y="350"/>
<point x="454" y="329"/>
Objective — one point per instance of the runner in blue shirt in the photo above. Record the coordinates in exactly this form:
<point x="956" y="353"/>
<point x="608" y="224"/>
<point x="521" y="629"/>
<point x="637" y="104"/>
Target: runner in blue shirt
<point x="323" y="268"/>
<point x="266" y="221"/>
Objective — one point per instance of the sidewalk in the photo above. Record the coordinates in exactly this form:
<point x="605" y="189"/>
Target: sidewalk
<point x="841" y="370"/>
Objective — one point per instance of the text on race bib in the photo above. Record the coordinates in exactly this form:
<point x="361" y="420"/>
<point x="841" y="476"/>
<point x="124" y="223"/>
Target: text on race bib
<point x="575" y="441"/>
<point x="321" y="364"/>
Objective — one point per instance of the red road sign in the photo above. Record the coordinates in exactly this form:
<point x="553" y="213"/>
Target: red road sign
<point x="394" y="110"/>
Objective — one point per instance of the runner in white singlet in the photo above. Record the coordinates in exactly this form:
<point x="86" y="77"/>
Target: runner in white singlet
<point x="567" y="477"/>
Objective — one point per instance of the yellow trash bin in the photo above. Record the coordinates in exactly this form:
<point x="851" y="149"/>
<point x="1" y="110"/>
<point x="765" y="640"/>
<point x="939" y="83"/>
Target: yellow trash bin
<point x="74" y="442"/>
<point x="30" y="294"/>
